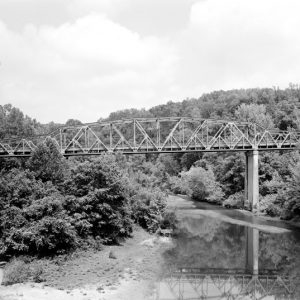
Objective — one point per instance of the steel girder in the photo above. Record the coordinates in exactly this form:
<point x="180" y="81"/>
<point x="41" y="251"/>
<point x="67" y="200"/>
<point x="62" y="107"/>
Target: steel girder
<point x="157" y="135"/>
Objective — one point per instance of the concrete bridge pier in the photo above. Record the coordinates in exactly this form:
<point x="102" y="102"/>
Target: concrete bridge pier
<point x="251" y="179"/>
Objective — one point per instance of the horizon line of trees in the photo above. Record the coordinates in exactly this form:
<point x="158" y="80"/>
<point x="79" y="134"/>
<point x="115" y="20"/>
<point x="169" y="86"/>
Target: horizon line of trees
<point x="281" y="107"/>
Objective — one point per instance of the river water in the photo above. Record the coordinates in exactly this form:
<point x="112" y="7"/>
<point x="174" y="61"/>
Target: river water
<point x="219" y="253"/>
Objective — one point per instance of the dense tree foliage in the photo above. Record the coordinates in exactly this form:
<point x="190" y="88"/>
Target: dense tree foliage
<point x="13" y="123"/>
<point x="47" y="162"/>
<point x="50" y="205"/>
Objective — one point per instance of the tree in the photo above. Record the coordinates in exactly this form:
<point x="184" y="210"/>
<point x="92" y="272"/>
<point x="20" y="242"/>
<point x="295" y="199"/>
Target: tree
<point x="230" y="172"/>
<point x="292" y="203"/>
<point x="254" y="113"/>
<point x="73" y="122"/>
<point x="47" y="162"/>
<point x="13" y="123"/>
<point x="202" y="185"/>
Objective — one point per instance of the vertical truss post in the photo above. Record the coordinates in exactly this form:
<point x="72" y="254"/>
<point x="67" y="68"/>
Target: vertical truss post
<point x="158" y="134"/>
<point x="110" y="137"/>
<point x="60" y="140"/>
<point x="246" y="180"/>
<point x="85" y="138"/>
<point x="183" y="140"/>
<point x="206" y="146"/>
<point x="134" y="134"/>
<point x="65" y="140"/>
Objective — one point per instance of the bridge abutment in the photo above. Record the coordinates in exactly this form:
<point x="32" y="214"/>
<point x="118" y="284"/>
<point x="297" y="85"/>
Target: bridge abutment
<point x="251" y="179"/>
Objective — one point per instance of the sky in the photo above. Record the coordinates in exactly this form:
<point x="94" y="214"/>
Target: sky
<point x="83" y="59"/>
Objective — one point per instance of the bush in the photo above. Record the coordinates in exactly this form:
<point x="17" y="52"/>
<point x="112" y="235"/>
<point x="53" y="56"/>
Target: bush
<point x="178" y="185"/>
<point x="148" y="207"/>
<point x="47" y="162"/>
<point x="101" y="173"/>
<point x="16" y="271"/>
<point x="37" y="270"/>
<point x="100" y="214"/>
<point x="202" y="186"/>
<point x="19" y="188"/>
<point x="235" y="201"/>
<point x="169" y="220"/>
<point x="269" y="205"/>
<point x="42" y="227"/>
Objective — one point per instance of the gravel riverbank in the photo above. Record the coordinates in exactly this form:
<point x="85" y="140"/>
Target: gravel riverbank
<point x="93" y="275"/>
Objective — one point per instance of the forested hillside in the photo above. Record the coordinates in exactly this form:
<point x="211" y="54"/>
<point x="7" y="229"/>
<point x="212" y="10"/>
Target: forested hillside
<point x="50" y="204"/>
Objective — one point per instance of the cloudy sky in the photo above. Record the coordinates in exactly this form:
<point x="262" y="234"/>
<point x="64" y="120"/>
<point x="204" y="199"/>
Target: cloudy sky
<point x="83" y="59"/>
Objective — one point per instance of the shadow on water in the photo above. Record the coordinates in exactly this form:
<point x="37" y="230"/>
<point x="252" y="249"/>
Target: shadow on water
<point x="216" y="259"/>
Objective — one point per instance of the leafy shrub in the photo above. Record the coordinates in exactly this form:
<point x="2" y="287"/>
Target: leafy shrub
<point x="178" y="185"/>
<point x="97" y="201"/>
<point x="16" y="271"/>
<point x="202" y="186"/>
<point x="47" y="162"/>
<point x="235" y="201"/>
<point x="272" y="186"/>
<point x="169" y="220"/>
<point x="290" y="196"/>
<point x="45" y="236"/>
<point x="42" y="227"/>
<point x="19" y="188"/>
<point x="100" y="173"/>
<point x="148" y="207"/>
<point x="274" y="210"/>
<point x="270" y="205"/>
<point x="100" y="214"/>
<point x="37" y="271"/>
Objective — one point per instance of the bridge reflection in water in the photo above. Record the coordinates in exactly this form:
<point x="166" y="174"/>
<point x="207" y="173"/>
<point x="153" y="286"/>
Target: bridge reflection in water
<point x="249" y="283"/>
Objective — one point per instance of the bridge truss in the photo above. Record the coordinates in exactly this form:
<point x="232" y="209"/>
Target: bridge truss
<point x="156" y="135"/>
<point x="193" y="284"/>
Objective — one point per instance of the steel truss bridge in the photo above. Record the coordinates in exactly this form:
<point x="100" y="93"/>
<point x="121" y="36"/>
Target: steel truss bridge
<point x="196" y="284"/>
<point x="156" y="135"/>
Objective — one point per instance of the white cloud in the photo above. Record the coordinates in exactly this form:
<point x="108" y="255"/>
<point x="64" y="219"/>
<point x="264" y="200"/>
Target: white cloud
<point x="85" y="69"/>
<point x="233" y="43"/>
<point x="95" y="38"/>
<point x="147" y="17"/>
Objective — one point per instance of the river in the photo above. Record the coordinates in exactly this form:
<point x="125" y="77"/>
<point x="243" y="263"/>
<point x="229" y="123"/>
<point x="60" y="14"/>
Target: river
<point x="220" y="253"/>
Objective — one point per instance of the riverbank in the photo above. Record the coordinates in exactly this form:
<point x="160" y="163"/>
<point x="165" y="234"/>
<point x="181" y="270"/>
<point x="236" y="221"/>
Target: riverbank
<point x="127" y="271"/>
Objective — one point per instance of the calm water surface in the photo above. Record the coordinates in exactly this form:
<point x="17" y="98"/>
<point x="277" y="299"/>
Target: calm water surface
<point x="228" y="254"/>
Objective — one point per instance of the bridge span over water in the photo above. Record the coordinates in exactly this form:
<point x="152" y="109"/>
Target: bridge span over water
<point x="163" y="135"/>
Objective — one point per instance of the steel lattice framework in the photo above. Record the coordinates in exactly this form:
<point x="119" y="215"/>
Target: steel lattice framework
<point x="193" y="284"/>
<point x="157" y="135"/>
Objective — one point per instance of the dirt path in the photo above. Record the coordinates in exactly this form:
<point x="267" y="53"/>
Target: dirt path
<point x="95" y="276"/>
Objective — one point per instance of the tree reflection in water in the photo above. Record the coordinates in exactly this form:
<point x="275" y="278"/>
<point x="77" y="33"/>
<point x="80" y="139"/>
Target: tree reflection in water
<point x="212" y="259"/>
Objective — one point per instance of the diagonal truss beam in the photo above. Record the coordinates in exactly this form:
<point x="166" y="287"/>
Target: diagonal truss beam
<point x="186" y="135"/>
